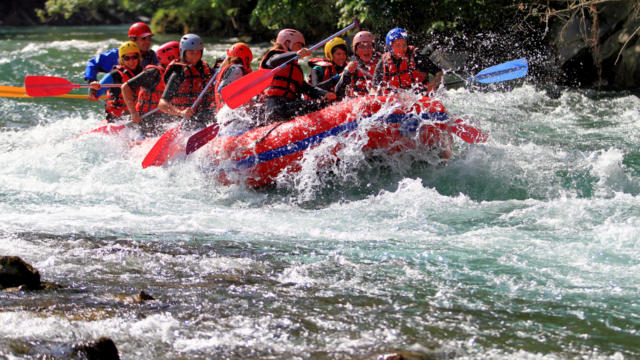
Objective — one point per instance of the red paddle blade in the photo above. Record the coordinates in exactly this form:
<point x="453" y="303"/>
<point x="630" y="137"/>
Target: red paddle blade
<point x="199" y="139"/>
<point x="248" y="86"/>
<point x="166" y="148"/>
<point x="37" y="85"/>
<point x="109" y="129"/>
<point x="468" y="133"/>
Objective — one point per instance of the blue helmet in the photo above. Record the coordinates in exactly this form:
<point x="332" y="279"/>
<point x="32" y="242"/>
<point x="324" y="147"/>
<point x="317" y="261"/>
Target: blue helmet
<point x="395" y="34"/>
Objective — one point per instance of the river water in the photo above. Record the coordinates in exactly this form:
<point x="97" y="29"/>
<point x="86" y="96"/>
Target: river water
<point x="524" y="247"/>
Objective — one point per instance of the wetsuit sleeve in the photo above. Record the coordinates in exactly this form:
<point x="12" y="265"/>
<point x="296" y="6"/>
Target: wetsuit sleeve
<point x="147" y="79"/>
<point x="101" y="63"/>
<point x="173" y="84"/>
<point x="110" y="78"/>
<point x="343" y="82"/>
<point x="424" y="63"/>
<point x="232" y="74"/>
<point x="278" y="59"/>
<point x="329" y="84"/>
<point x="314" y="92"/>
<point x="377" y="75"/>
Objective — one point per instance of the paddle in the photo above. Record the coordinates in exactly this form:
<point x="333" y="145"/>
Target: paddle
<point x="161" y="150"/>
<point x="113" y="128"/>
<point x="509" y="70"/>
<point x="20" y="92"/>
<point x="250" y="85"/>
<point x="37" y="85"/>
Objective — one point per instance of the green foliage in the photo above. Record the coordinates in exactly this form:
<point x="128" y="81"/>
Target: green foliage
<point x="312" y="17"/>
<point x="315" y="18"/>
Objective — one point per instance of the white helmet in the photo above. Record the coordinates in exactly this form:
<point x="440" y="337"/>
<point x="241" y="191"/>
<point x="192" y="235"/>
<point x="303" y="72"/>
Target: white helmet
<point x="291" y="35"/>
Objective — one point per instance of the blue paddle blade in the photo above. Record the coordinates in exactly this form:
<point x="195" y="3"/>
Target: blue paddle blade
<point x="514" y="69"/>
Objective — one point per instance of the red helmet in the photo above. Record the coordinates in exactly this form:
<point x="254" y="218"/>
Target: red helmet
<point x="140" y="30"/>
<point x="291" y="35"/>
<point x="242" y="51"/>
<point x="168" y="52"/>
<point x="362" y="36"/>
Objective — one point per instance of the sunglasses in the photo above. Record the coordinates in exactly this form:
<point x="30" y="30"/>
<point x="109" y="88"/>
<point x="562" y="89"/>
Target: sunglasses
<point x="127" y="58"/>
<point x="148" y="37"/>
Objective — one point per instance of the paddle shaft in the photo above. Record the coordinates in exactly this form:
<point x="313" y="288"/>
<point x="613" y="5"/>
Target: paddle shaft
<point x="254" y="86"/>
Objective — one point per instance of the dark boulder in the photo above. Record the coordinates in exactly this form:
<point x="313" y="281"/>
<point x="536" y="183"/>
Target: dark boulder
<point x="15" y="272"/>
<point x="102" y="349"/>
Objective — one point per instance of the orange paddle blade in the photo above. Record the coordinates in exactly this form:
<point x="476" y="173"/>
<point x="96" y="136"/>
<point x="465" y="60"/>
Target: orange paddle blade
<point x="248" y="86"/>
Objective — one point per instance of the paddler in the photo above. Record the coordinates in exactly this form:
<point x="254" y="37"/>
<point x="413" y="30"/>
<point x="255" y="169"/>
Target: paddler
<point x="150" y="85"/>
<point x="187" y="78"/>
<point x="404" y="67"/>
<point x="356" y="79"/>
<point x="236" y="65"/>
<point x="140" y="33"/>
<point x="128" y="67"/>
<point x="282" y="98"/>
<point x="325" y="72"/>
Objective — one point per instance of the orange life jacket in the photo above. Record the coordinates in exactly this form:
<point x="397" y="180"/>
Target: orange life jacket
<point x="115" y="103"/>
<point x="360" y="82"/>
<point x="148" y="99"/>
<point x="403" y="76"/>
<point x="192" y="85"/>
<point x="287" y="82"/>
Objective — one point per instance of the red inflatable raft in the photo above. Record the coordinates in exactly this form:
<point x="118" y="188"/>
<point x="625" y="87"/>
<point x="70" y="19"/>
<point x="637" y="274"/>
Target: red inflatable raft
<point x="259" y="155"/>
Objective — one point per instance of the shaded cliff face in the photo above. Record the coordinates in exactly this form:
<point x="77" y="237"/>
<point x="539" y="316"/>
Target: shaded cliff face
<point x="599" y="48"/>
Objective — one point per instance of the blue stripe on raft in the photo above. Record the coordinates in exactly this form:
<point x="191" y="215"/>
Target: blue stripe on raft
<point x="409" y="125"/>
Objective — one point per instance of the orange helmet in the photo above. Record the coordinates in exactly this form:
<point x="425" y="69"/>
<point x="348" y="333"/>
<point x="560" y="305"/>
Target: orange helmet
<point x="140" y="30"/>
<point x="291" y="35"/>
<point x="242" y="51"/>
<point x="168" y="52"/>
<point x="362" y="36"/>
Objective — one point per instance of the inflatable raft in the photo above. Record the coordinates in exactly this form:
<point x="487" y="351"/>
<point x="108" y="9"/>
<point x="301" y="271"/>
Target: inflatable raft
<point x="261" y="154"/>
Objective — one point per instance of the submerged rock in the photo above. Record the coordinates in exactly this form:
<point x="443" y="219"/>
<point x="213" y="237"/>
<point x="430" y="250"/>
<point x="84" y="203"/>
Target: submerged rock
<point x="102" y="349"/>
<point x="14" y="272"/>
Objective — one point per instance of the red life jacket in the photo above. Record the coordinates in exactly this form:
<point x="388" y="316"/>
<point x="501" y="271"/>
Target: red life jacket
<point x="287" y="82"/>
<point x="148" y="99"/>
<point x="115" y="103"/>
<point x="403" y="76"/>
<point x="218" y="97"/>
<point x="192" y="85"/>
<point x="360" y="83"/>
<point x="326" y="64"/>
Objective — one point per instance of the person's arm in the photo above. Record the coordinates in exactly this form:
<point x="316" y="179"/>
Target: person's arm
<point x="278" y="59"/>
<point x="101" y="63"/>
<point x="170" y="90"/>
<point x="424" y="64"/>
<point x="96" y="90"/>
<point x="232" y="74"/>
<point x="343" y="82"/>
<point x="149" y="79"/>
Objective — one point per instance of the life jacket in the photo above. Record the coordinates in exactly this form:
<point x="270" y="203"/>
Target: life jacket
<point x="115" y="102"/>
<point x="360" y="82"/>
<point x="287" y="82"/>
<point x="148" y="99"/>
<point x="192" y="85"/>
<point x="328" y="67"/>
<point x="403" y="76"/>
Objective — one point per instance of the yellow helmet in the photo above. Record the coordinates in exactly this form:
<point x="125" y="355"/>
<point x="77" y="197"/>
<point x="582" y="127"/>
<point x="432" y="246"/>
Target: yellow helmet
<point x="328" y="47"/>
<point x="127" y="47"/>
